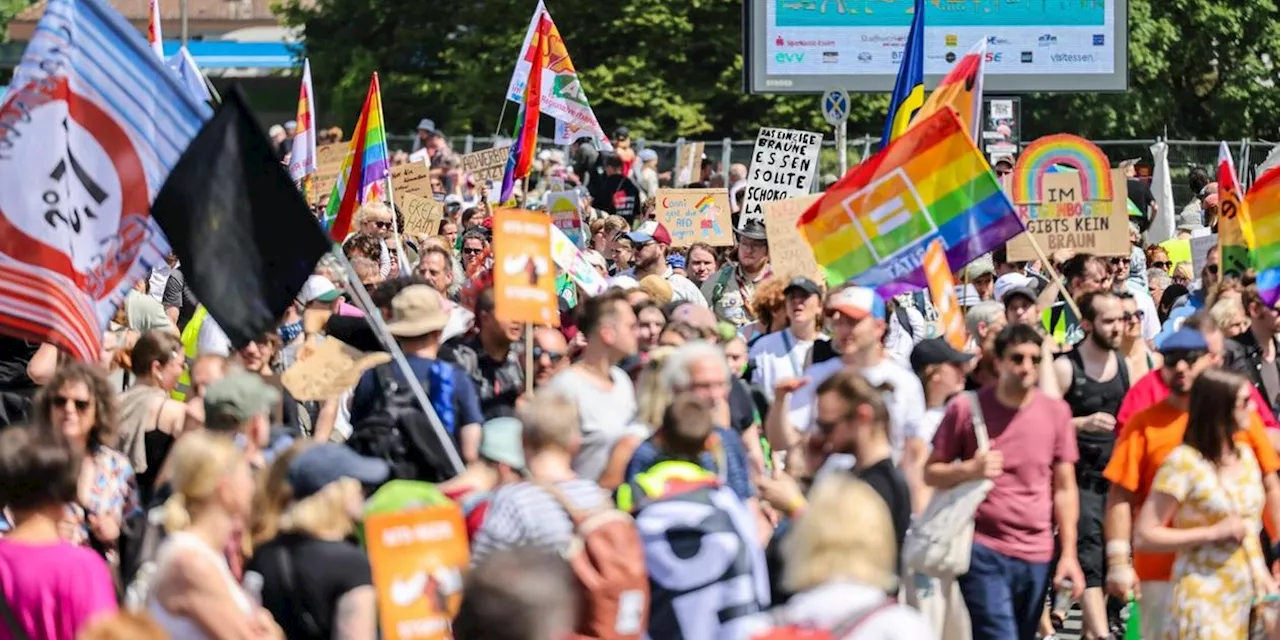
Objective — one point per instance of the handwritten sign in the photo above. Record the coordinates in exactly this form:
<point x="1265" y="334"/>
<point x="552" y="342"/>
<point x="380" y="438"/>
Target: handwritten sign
<point x="329" y="159"/>
<point x="411" y="179"/>
<point x="329" y="370"/>
<point x="1062" y="219"/>
<point x="942" y="289"/>
<point x="570" y="259"/>
<point x="418" y="558"/>
<point x="422" y="215"/>
<point x="689" y="163"/>
<point x="783" y="165"/>
<point x="565" y="208"/>
<point x="696" y="215"/>
<point x="524" y="276"/>
<point x="485" y="166"/>
<point x="788" y="252"/>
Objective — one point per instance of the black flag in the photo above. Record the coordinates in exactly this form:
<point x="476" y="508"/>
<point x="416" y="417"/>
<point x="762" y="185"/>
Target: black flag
<point x="244" y="234"/>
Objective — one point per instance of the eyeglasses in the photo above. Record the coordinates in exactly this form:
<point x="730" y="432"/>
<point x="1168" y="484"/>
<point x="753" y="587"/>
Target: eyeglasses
<point x="1163" y="264"/>
<point x="1172" y="358"/>
<point x="81" y="406"/>
<point x="1133" y="316"/>
<point x="470" y="251"/>
<point x="1211" y="268"/>
<point x="1115" y="261"/>
<point x="1019" y="358"/>
<point x="554" y="356"/>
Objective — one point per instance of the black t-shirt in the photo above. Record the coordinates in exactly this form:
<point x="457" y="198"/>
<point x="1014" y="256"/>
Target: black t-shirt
<point x="887" y="480"/>
<point x="323" y="571"/>
<point x="742" y="410"/>
<point x="1140" y="194"/>
<point x="15" y="355"/>
<point x="178" y="294"/>
<point x="617" y="194"/>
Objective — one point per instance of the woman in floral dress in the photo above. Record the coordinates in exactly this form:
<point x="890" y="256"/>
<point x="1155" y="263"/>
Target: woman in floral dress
<point x="1209" y="491"/>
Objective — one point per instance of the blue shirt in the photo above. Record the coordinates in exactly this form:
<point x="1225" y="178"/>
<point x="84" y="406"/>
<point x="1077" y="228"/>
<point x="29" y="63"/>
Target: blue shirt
<point x="734" y="475"/>
<point x="466" y="402"/>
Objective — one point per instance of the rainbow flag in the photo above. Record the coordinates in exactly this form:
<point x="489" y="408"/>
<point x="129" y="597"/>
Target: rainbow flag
<point x="302" y="159"/>
<point x="961" y="90"/>
<point x="1262" y="213"/>
<point x="365" y="169"/>
<point x="874" y="225"/>
<point x="520" y="161"/>
<point x="1232" y="244"/>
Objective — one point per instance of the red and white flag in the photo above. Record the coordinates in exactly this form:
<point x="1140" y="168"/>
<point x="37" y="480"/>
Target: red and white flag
<point x="154" y="33"/>
<point x="302" y="157"/>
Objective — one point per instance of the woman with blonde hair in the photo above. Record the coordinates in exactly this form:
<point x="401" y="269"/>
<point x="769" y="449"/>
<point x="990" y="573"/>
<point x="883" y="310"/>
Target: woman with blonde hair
<point x="652" y="399"/>
<point x="318" y="585"/>
<point x="840" y="573"/>
<point x="193" y="594"/>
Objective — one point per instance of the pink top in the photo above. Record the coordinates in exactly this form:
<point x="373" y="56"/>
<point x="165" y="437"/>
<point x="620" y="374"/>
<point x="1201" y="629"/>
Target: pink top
<point x="1016" y="519"/>
<point x="349" y="311"/>
<point x="54" y="589"/>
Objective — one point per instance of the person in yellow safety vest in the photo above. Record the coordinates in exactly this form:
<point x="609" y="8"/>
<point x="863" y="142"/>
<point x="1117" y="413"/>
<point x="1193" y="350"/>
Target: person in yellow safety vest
<point x="663" y="479"/>
<point x="190" y="345"/>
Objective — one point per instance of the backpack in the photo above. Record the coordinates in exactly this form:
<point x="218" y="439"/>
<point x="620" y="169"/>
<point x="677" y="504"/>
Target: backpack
<point x="399" y="433"/>
<point x="607" y="558"/>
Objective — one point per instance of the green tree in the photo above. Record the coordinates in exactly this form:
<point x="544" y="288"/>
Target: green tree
<point x="8" y="10"/>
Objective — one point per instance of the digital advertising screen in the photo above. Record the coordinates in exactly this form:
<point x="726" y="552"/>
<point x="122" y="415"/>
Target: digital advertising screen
<point x="806" y="46"/>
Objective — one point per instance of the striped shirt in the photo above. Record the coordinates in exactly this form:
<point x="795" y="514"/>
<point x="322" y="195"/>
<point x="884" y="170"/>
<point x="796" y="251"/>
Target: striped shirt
<point x="525" y="515"/>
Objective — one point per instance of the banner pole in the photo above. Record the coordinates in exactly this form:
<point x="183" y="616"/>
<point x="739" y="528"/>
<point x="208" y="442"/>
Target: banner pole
<point x="1053" y="272"/>
<point x="528" y="357"/>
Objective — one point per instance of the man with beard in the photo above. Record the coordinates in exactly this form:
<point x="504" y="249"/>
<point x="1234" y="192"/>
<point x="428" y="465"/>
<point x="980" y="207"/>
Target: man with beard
<point x="652" y="241"/>
<point x="1093" y="379"/>
<point x="730" y="290"/>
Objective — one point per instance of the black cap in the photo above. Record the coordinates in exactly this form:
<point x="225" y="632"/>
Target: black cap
<point x="936" y="351"/>
<point x="804" y="284"/>
<point x="753" y="229"/>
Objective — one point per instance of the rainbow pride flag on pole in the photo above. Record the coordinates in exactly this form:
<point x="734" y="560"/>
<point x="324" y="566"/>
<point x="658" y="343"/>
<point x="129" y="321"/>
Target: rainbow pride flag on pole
<point x="961" y="90"/>
<point x="874" y="225"/>
<point x="364" y="171"/>
<point x="1261" y="217"/>
<point x="520" y="160"/>
<point x="1233" y="248"/>
<point x="302" y="158"/>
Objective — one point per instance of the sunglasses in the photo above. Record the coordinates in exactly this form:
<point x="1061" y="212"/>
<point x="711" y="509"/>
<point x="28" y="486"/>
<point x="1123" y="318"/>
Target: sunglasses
<point x="381" y="224"/>
<point x="1019" y="358"/>
<point x="471" y="252"/>
<point x="1133" y="316"/>
<point x="80" y="405"/>
<point x="1211" y="268"/>
<point x="1172" y="358"/>
<point x="555" y="357"/>
<point x="1116" y="261"/>
<point x="1163" y="264"/>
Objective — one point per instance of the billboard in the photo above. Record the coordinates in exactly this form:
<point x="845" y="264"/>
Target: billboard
<point x="806" y="46"/>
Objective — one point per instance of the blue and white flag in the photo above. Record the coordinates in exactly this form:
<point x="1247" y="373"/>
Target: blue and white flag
<point x="190" y="75"/>
<point x="89" y="130"/>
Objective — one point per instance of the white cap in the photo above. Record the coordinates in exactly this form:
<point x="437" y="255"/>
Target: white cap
<point x="1010" y="281"/>
<point x="626" y="283"/>
<point x="317" y="288"/>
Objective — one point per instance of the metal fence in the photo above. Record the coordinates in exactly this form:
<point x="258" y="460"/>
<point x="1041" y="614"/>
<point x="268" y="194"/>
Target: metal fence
<point x="1184" y="155"/>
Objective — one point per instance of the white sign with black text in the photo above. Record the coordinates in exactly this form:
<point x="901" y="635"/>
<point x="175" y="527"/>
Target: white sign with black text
<point x="783" y="165"/>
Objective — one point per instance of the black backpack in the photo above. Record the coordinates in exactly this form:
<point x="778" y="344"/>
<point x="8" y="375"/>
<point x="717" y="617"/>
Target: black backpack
<point x="398" y="432"/>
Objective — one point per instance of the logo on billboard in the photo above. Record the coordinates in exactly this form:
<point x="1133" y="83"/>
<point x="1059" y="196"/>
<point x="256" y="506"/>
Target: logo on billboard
<point x="865" y="56"/>
<point x="1027" y="57"/>
<point x="951" y="40"/>
<point x="788" y="58"/>
<point x="896" y="57"/>
<point x="1072" y="58"/>
<point x="997" y="40"/>
<point x="1048" y="40"/>
<point x="951" y="57"/>
<point x="889" y="217"/>
<point x="780" y="42"/>
<point x="830" y="57"/>
<point x="994" y="56"/>
<point x="1099" y="39"/>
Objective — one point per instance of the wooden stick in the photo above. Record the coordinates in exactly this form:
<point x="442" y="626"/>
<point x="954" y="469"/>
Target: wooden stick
<point x="1057" y="277"/>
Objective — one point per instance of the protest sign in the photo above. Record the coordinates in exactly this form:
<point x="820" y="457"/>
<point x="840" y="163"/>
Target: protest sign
<point x="783" y="165"/>
<point x="1200" y="251"/>
<point x="485" y="166"/>
<point x="942" y="290"/>
<point x="570" y="259"/>
<point x="696" y="215"/>
<point x="1069" y="198"/>
<point x="418" y="558"/>
<point x="689" y="163"/>
<point x="329" y="159"/>
<point x="565" y="215"/>
<point x="789" y="254"/>
<point x="329" y="370"/>
<point x="422" y="215"/>
<point x="411" y="179"/>
<point x="524" y="278"/>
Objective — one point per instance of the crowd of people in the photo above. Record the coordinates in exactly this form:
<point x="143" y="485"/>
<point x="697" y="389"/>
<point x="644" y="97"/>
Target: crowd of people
<point x="708" y="449"/>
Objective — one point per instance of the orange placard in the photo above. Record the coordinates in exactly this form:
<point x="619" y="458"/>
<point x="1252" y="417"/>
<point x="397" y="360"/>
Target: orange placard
<point x="418" y="558"/>
<point x="524" y="277"/>
<point x="942" y="290"/>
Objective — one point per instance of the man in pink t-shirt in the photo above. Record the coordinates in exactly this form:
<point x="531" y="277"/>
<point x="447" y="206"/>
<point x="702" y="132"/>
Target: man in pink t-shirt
<point x="1031" y="462"/>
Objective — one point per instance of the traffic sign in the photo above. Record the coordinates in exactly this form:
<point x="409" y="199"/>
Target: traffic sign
<point x="835" y="106"/>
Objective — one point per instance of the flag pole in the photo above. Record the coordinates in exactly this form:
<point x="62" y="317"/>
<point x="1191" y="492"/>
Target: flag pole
<point x="391" y="196"/>
<point x="217" y="97"/>
<point x="501" y="116"/>
<point x="384" y="336"/>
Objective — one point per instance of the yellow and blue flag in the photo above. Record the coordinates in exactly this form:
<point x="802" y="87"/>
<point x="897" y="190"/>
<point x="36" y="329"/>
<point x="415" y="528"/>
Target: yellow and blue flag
<point x="908" y="90"/>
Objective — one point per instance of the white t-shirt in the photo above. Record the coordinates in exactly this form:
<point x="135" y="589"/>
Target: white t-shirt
<point x="212" y="340"/>
<point x="605" y="415"/>
<point x="778" y="356"/>
<point x="905" y="403"/>
<point x="900" y="342"/>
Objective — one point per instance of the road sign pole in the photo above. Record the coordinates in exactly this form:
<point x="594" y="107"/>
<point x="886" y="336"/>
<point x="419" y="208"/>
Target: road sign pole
<point x="835" y="110"/>
<point x="842" y="145"/>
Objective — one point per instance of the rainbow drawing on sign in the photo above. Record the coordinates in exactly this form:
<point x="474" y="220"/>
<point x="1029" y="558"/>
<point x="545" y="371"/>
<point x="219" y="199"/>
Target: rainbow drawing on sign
<point x="1062" y="149"/>
<point x="707" y="207"/>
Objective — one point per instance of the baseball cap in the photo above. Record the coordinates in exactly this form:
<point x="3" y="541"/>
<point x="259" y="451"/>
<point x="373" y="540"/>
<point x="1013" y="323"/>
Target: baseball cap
<point x="453" y="198"/>
<point x="648" y="155"/>
<point x="857" y="302"/>
<point x="1002" y="157"/>
<point x="982" y="265"/>
<point x="317" y="289"/>
<point x="318" y="466"/>
<point x="936" y="351"/>
<point x="804" y="284"/>
<point x="428" y="125"/>
<point x="239" y="397"/>
<point x="676" y="261"/>
<point x="417" y="311"/>
<point x="1185" y="339"/>
<point x="501" y="441"/>
<point x="1015" y="284"/>
<point x="650" y="231"/>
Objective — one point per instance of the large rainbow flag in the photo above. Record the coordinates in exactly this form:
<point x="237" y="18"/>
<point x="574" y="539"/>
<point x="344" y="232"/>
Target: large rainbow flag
<point x="1261" y="215"/>
<point x="874" y="225"/>
<point x="365" y="169"/>
<point x="520" y="160"/>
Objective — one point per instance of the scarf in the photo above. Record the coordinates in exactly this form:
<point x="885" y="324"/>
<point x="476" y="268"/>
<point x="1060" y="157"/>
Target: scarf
<point x="290" y="332"/>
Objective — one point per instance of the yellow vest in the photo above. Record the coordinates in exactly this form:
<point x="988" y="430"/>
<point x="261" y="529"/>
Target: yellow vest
<point x="190" y="344"/>
<point x="652" y="483"/>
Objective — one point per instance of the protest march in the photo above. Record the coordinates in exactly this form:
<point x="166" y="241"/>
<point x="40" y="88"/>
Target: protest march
<point x="295" y="382"/>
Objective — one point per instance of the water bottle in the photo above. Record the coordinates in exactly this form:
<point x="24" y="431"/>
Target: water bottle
<point x="253" y="587"/>
<point x="1062" y="600"/>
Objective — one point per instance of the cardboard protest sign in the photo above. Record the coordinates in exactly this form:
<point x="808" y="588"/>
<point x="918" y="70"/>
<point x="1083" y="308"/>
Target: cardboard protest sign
<point x="1069" y="198"/>
<point x="565" y="209"/>
<point x="689" y="163"/>
<point x="419" y="558"/>
<point x="411" y="179"/>
<point x="789" y="254"/>
<point x="422" y="215"/>
<point x="570" y="259"/>
<point x="524" y="276"/>
<point x="696" y="215"/>
<point x="330" y="369"/>
<point x="783" y="165"/>
<point x="942" y="290"/>
<point x="1200" y="251"/>
<point x="329" y="159"/>
<point x="485" y="166"/>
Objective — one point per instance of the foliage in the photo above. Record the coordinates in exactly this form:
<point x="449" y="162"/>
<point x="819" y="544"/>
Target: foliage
<point x="8" y="10"/>
<point x="669" y="68"/>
